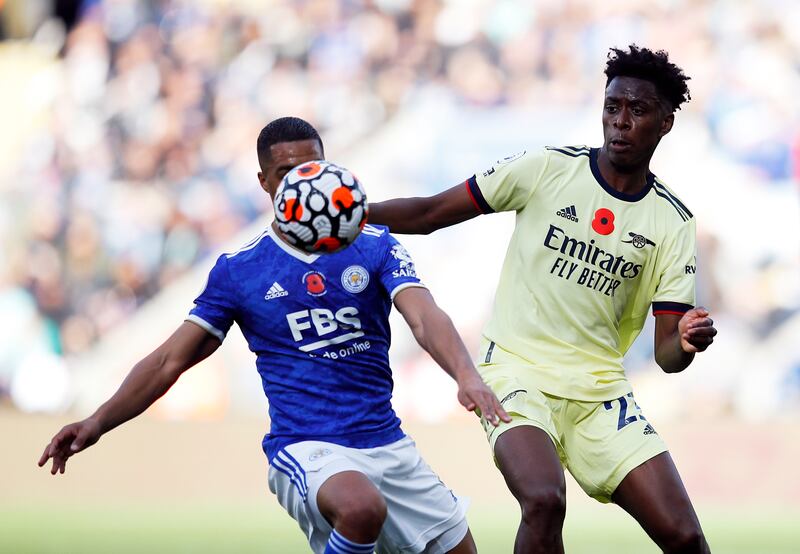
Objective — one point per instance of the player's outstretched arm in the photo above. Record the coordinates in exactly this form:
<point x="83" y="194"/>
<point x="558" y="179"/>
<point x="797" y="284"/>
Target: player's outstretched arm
<point x="435" y="332"/>
<point x="147" y="382"/>
<point x="678" y="338"/>
<point x="424" y="215"/>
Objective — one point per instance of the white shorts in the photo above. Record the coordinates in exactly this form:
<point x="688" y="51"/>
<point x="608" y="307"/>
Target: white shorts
<point x="423" y="515"/>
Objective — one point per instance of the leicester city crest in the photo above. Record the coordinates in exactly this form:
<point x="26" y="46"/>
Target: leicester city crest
<point x="355" y="278"/>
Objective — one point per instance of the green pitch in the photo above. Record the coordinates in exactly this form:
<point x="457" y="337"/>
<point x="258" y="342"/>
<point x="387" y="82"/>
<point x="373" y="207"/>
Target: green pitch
<point x="123" y="498"/>
<point x="264" y="528"/>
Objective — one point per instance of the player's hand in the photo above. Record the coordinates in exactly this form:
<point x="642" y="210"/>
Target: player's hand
<point x="475" y="395"/>
<point x="696" y="330"/>
<point x="70" y="440"/>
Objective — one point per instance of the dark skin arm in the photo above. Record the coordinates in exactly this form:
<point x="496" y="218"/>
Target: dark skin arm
<point x="679" y="338"/>
<point x="147" y="382"/>
<point x="424" y="215"/>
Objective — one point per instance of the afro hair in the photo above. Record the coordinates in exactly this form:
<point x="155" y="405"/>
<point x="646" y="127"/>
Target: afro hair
<point x="643" y="63"/>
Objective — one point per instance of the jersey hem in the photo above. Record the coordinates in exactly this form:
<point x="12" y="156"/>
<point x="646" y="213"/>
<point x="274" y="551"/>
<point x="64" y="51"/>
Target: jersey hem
<point x="272" y="445"/>
<point x="541" y="378"/>
<point x="458" y="516"/>
<point x="597" y="395"/>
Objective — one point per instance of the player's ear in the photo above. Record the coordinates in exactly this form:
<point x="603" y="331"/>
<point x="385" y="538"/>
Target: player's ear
<point x="262" y="180"/>
<point x="666" y="124"/>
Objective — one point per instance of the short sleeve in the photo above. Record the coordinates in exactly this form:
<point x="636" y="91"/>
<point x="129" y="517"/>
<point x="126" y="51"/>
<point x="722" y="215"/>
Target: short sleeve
<point x="677" y="266"/>
<point x="397" y="271"/>
<point x="214" y="310"/>
<point x="509" y="184"/>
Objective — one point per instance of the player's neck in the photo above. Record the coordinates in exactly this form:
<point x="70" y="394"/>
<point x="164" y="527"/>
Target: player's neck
<point x="627" y="180"/>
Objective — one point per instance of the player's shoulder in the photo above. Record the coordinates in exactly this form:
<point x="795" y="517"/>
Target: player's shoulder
<point x="559" y="159"/>
<point x="376" y="242"/>
<point x="568" y="153"/>
<point x="371" y="232"/>
<point x="369" y="242"/>
<point x="669" y="202"/>
<point x="521" y="162"/>
<point x="249" y="250"/>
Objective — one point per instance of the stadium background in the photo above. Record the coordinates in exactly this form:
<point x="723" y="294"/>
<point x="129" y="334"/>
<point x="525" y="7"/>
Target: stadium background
<point x="127" y="163"/>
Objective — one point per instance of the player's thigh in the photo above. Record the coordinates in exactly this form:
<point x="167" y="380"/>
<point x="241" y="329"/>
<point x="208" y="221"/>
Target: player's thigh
<point x="526" y="405"/>
<point x="298" y="472"/>
<point x="527" y="449"/>
<point x="424" y="515"/>
<point x="653" y="493"/>
<point x="528" y="459"/>
<point x="605" y="441"/>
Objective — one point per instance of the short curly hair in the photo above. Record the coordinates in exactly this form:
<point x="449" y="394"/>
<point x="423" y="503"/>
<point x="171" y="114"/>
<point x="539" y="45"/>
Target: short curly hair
<point x="643" y="63"/>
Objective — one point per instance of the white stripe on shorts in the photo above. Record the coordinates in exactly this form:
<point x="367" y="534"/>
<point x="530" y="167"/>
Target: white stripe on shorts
<point x="285" y="463"/>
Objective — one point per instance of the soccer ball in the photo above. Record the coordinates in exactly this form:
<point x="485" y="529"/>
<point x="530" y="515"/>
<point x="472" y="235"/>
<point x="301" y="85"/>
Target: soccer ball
<point x="320" y="207"/>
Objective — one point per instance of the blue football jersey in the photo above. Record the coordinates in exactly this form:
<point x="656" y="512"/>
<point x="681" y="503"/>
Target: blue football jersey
<point x="319" y="326"/>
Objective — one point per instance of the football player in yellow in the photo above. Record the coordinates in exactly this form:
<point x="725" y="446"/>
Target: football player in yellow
<point x="599" y="241"/>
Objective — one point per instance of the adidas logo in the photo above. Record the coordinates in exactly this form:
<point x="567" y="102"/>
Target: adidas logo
<point x="648" y="430"/>
<point x="275" y="291"/>
<point x="569" y="213"/>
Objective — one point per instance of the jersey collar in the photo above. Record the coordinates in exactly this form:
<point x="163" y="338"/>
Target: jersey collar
<point x="611" y="190"/>
<point x="294" y="252"/>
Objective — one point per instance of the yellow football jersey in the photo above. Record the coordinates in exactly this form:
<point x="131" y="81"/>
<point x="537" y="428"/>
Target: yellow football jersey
<point x="584" y="265"/>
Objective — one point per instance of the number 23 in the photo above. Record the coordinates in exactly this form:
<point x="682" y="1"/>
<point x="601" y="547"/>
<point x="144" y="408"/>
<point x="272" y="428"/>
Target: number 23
<point x="624" y="418"/>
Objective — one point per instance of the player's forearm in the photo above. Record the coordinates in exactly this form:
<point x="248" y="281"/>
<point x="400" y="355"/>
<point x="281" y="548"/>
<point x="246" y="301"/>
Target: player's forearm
<point x="420" y="216"/>
<point x="671" y="357"/>
<point x="407" y="216"/>
<point x="148" y="381"/>
<point x="438" y="336"/>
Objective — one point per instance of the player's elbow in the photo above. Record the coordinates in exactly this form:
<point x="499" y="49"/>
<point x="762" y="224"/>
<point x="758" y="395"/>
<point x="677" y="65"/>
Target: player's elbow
<point x="437" y="215"/>
<point x="419" y="334"/>
<point x="666" y="368"/>
<point x="418" y="330"/>
<point x="166" y="368"/>
<point x="671" y="365"/>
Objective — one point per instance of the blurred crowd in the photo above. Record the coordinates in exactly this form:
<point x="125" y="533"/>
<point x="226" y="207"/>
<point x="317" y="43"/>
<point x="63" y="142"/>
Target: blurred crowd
<point x="141" y="160"/>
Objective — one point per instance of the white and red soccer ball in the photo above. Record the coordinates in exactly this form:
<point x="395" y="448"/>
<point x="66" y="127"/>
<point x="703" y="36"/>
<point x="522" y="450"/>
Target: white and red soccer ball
<point x="320" y="207"/>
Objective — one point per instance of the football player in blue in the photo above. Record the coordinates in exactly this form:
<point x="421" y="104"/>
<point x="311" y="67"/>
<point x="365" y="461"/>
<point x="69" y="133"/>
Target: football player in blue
<point x="339" y="462"/>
